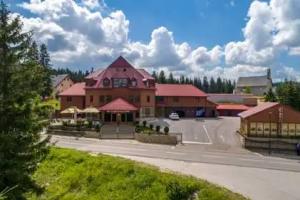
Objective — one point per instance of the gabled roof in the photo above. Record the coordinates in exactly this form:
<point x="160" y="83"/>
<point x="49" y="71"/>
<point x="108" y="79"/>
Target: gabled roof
<point x="78" y="89"/>
<point x="118" y="105"/>
<point x="232" y="107"/>
<point x="174" y="90"/>
<point x="257" y="109"/>
<point x="120" y="68"/>
<point x="253" y="81"/>
<point x="57" y="79"/>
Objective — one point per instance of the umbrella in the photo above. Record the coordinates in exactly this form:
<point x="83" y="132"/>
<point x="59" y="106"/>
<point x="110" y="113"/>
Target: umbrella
<point x="91" y="111"/>
<point x="72" y="110"/>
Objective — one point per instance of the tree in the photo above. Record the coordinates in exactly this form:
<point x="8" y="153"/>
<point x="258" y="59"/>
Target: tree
<point x="45" y="62"/>
<point x="270" y="96"/>
<point x="171" y="78"/>
<point x="162" y="77"/>
<point x="154" y="75"/>
<point x="205" y="84"/>
<point x="21" y="147"/>
<point x="247" y="90"/>
<point x="288" y="93"/>
<point x="212" y="85"/>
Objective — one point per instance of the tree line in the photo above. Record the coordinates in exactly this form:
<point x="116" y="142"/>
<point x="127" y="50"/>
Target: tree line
<point x="287" y="93"/>
<point x="211" y="85"/>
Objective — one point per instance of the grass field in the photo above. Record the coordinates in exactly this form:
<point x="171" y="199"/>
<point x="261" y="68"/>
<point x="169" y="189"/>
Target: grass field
<point x="70" y="174"/>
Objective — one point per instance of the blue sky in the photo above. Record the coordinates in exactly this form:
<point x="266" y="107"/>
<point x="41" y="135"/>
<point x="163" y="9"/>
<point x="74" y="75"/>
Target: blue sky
<point x="204" y="37"/>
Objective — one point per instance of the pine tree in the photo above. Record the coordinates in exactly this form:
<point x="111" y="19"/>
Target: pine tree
<point x="212" y="86"/>
<point x="21" y="147"/>
<point x="270" y="96"/>
<point x="171" y="78"/>
<point x="154" y="75"/>
<point x="205" y="84"/>
<point x="162" y="77"/>
<point x="45" y="62"/>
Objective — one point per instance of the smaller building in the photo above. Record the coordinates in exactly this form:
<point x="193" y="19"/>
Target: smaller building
<point x="60" y="83"/>
<point x="257" y="85"/>
<point x="231" y="109"/>
<point x="270" y="120"/>
<point x="224" y="98"/>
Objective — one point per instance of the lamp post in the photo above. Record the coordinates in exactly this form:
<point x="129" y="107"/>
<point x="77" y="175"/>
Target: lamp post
<point x="270" y="114"/>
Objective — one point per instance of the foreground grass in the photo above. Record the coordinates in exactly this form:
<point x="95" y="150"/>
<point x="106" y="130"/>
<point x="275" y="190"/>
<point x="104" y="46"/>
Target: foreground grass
<point x="71" y="174"/>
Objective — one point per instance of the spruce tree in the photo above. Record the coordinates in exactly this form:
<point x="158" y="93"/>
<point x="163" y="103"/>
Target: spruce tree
<point x="205" y="84"/>
<point x="45" y="62"/>
<point x="171" y="78"/>
<point x="21" y="147"/>
<point x="162" y="77"/>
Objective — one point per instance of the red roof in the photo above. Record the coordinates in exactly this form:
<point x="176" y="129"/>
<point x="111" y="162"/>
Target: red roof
<point x="258" y="109"/>
<point x="120" y="68"/>
<point x="78" y="89"/>
<point x="232" y="107"/>
<point x="118" y="105"/>
<point x="178" y="90"/>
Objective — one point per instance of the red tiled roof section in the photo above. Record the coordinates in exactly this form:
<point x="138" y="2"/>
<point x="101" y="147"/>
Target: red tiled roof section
<point x="78" y="89"/>
<point x="145" y="74"/>
<point x="257" y="109"/>
<point x="182" y="90"/>
<point x="118" y="105"/>
<point x="232" y="107"/>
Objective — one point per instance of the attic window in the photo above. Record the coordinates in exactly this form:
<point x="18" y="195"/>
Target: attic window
<point x="106" y="82"/>
<point x="133" y="82"/>
<point x="124" y="70"/>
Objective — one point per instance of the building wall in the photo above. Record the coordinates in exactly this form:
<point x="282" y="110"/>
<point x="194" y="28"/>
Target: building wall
<point x="182" y="102"/>
<point x="62" y="86"/>
<point x="143" y="99"/>
<point x="66" y="102"/>
<point x="255" y="90"/>
<point x="229" y="112"/>
<point x="261" y="123"/>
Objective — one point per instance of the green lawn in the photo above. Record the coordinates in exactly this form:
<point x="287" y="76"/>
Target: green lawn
<point x="70" y="174"/>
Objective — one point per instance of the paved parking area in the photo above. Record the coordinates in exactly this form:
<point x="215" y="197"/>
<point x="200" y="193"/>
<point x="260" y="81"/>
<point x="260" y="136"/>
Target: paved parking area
<point x="216" y="131"/>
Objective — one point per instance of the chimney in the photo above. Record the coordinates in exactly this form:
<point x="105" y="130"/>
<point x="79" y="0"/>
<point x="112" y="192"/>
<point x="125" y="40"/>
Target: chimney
<point x="269" y="73"/>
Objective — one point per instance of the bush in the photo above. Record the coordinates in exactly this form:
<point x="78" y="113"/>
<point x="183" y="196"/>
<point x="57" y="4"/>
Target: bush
<point x="79" y="124"/>
<point x="166" y="130"/>
<point x="151" y="126"/>
<point x="65" y="123"/>
<point x="144" y="123"/>
<point x="90" y="124"/>
<point x="138" y="129"/>
<point x="97" y="127"/>
<point x="157" y="128"/>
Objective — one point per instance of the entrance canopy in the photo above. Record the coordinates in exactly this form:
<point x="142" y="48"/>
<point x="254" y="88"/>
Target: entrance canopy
<point x="118" y="106"/>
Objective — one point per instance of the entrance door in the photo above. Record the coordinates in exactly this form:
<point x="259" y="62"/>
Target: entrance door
<point x="123" y="118"/>
<point x="114" y="117"/>
<point x="107" y="117"/>
<point x="129" y="117"/>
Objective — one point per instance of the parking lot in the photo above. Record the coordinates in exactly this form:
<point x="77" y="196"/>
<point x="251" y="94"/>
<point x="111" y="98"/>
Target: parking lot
<point x="211" y="131"/>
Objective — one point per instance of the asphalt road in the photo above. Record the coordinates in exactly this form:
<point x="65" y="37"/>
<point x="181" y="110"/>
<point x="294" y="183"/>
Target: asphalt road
<point x="189" y="153"/>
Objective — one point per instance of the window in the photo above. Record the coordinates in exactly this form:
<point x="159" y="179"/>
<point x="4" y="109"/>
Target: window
<point x="273" y="128"/>
<point x="159" y="99"/>
<point x="292" y="129"/>
<point x="108" y="98"/>
<point x="91" y="99"/>
<point x="69" y="99"/>
<point x="147" y="111"/>
<point x="284" y="129"/>
<point x="133" y="82"/>
<point x="266" y="128"/>
<point x="106" y="82"/>
<point x="259" y="128"/>
<point x="101" y="99"/>
<point x="297" y="129"/>
<point x="175" y="99"/>
<point x="137" y="99"/>
<point x="148" y="99"/>
<point x="131" y="99"/>
<point x="120" y="82"/>
<point x="253" y="128"/>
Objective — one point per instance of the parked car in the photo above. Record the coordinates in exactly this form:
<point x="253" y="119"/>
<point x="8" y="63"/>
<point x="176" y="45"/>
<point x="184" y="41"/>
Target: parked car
<point x="174" y="116"/>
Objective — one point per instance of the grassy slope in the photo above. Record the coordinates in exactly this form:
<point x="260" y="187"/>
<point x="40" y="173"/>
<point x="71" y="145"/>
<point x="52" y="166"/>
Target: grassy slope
<point x="70" y="174"/>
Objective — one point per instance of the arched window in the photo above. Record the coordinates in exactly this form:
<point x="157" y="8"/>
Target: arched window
<point x="106" y="82"/>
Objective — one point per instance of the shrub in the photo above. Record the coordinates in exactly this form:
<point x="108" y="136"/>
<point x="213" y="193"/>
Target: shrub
<point x="157" y="128"/>
<point x="166" y="130"/>
<point x="90" y="124"/>
<point x="79" y="124"/>
<point x="97" y="127"/>
<point x="151" y="126"/>
<point x="65" y="123"/>
<point x="144" y="123"/>
<point x="138" y="129"/>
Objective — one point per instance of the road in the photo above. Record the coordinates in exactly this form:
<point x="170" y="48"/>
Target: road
<point x="251" y="174"/>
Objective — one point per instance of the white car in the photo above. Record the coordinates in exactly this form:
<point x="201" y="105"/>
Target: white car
<point x="174" y="116"/>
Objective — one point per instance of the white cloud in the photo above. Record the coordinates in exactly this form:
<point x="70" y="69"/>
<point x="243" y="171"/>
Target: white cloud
<point x="81" y="34"/>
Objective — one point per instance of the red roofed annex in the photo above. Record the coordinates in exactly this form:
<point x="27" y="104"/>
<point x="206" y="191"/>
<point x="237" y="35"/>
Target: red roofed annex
<point x="133" y="93"/>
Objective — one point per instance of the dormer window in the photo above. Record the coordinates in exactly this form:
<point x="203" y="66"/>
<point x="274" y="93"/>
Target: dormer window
<point x="133" y="82"/>
<point x="106" y="82"/>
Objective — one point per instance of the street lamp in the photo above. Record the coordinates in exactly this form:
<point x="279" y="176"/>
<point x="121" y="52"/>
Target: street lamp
<point x="270" y="114"/>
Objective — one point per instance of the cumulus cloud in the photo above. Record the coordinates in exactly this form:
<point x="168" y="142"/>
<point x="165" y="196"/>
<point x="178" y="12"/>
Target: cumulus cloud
<point x="81" y="34"/>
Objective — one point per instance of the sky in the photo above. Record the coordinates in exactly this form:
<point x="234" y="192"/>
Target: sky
<point x="227" y="38"/>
